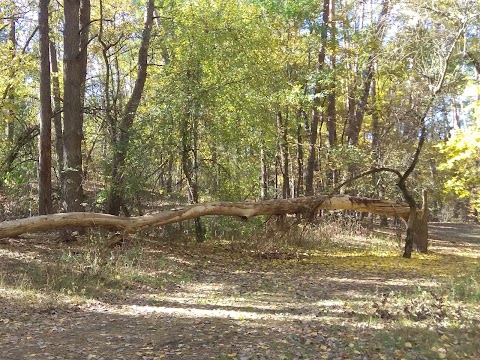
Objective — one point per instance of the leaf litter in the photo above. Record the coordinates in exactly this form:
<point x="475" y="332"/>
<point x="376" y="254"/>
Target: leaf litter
<point x="210" y="301"/>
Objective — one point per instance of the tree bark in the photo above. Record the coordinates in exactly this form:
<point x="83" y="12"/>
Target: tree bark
<point x="244" y="210"/>
<point x="45" y="142"/>
<point x="263" y="175"/>
<point x="77" y="15"/>
<point x="331" y="114"/>
<point x="299" y="187"/>
<point x="11" y="95"/>
<point x="57" y="110"/>
<point x="312" y="146"/>
<point x="283" y="152"/>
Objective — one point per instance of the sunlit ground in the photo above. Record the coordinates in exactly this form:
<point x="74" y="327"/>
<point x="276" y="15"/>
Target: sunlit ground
<point x="224" y="300"/>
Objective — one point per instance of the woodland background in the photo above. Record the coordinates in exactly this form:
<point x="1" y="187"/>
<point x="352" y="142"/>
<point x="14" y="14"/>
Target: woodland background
<point x="124" y="107"/>
<point x="138" y="107"/>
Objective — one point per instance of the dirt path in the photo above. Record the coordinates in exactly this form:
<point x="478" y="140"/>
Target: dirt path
<point x="336" y="303"/>
<point x="455" y="232"/>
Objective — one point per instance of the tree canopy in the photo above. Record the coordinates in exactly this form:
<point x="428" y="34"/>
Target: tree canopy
<point x="205" y="100"/>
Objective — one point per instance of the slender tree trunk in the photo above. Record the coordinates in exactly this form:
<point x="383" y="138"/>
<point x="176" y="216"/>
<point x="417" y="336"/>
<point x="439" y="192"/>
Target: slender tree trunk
<point x="263" y="175"/>
<point x="312" y="154"/>
<point x="169" y="180"/>
<point x="357" y="108"/>
<point x="331" y="108"/>
<point x="331" y="114"/>
<point x="312" y="147"/>
<point x="376" y="184"/>
<point x="11" y="95"/>
<point x="57" y="110"/>
<point x="283" y="152"/>
<point x="45" y="143"/>
<point x="77" y="15"/>
<point x="299" y="189"/>
<point x="117" y="191"/>
<point x="189" y="162"/>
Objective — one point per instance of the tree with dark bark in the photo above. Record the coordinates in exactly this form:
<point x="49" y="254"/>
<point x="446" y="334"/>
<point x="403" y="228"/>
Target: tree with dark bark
<point x="45" y="141"/>
<point x="75" y="35"/>
<point x="317" y="103"/>
<point x="57" y="110"/>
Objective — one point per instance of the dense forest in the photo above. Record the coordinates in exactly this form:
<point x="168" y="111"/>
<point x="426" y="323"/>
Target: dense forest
<point x="137" y="137"/>
<point x="118" y="107"/>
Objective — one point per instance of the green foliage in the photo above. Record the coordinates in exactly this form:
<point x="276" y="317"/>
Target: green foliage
<point x="462" y="154"/>
<point x="220" y="72"/>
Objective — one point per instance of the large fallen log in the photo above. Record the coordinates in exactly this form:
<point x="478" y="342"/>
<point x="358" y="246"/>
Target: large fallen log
<point x="241" y="209"/>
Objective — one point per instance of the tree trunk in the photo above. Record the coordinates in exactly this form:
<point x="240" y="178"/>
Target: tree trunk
<point x="331" y="108"/>
<point x="45" y="143"/>
<point x="421" y="226"/>
<point x="283" y="152"/>
<point x="312" y="146"/>
<point x="357" y="108"/>
<point x="11" y="95"/>
<point x="189" y="165"/>
<point x="241" y="209"/>
<point x="57" y="110"/>
<point x="376" y="150"/>
<point x="77" y="15"/>
<point x="299" y="188"/>
<point x="331" y="115"/>
<point x="263" y="175"/>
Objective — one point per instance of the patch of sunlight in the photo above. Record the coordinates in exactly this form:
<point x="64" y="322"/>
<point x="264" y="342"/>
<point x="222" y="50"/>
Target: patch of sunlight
<point x="26" y="297"/>
<point x="360" y="253"/>
<point x="203" y="289"/>
<point x="468" y="251"/>
<point x="211" y="311"/>
<point x="330" y="303"/>
<point x="23" y="256"/>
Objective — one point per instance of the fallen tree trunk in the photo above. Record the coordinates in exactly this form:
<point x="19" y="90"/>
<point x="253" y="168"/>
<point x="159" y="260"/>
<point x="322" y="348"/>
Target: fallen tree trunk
<point x="241" y="209"/>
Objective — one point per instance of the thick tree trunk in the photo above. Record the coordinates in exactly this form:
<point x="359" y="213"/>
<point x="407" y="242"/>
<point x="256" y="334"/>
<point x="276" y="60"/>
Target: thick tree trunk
<point x="77" y="15"/>
<point x="241" y="209"/>
<point x="45" y="143"/>
<point x="421" y="226"/>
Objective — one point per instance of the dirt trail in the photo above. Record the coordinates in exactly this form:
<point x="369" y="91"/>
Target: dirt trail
<point x="334" y="304"/>
<point x="455" y="232"/>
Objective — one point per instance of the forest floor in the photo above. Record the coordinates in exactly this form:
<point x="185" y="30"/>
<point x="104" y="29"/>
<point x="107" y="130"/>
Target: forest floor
<point x="351" y="296"/>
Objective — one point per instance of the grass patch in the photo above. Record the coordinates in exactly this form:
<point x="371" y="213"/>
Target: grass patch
<point x="91" y="273"/>
<point x="465" y="287"/>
